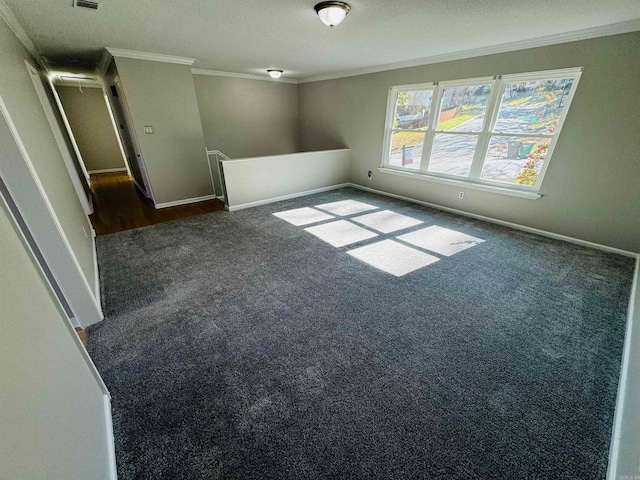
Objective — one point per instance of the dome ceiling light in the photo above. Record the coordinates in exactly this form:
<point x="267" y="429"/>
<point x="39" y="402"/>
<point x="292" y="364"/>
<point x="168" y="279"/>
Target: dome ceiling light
<point x="275" y="73"/>
<point x="332" y="13"/>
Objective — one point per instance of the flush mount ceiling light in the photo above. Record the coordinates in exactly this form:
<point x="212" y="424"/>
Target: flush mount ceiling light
<point x="332" y="13"/>
<point x="275" y="73"/>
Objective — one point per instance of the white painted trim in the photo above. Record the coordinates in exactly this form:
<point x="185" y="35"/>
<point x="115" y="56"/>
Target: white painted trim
<point x="67" y="126"/>
<point x="285" y="197"/>
<point x="219" y="153"/>
<point x="315" y="152"/>
<point x="111" y="444"/>
<point x="221" y="197"/>
<point x="39" y="87"/>
<point x="616" y="431"/>
<point x="71" y="327"/>
<point x="515" y="226"/>
<point x="461" y="183"/>
<point x="105" y="60"/>
<point x="184" y="202"/>
<point x="114" y="124"/>
<point x="213" y="184"/>
<point x="36" y="179"/>
<point x="246" y="76"/>
<point x="7" y="15"/>
<point x="96" y="270"/>
<point x="576" y="35"/>
<point x="107" y="170"/>
<point x="77" y="84"/>
<point x="153" y="57"/>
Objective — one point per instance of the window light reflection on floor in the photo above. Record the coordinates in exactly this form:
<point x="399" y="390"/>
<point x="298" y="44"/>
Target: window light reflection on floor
<point x="393" y="257"/>
<point x="340" y="233"/>
<point x="440" y="240"/>
<point x="386" y="221"/>
<point x="388" y="255"/>
<point x="303" y="216"/>
<point x="346" y="207"/>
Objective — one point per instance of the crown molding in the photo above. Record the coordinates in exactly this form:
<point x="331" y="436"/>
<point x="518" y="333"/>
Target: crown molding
<point x="7" y="15"/>
<point x="102" y="67"/>
<point x="247" y="76"/>
<point x="577" y="35"/>
<point x="153" y="57"/>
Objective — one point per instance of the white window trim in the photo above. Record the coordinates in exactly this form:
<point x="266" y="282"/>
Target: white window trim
<point x="474" y="181"/>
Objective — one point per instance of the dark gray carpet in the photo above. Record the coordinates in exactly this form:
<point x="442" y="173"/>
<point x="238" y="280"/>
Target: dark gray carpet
<point x="238" y="346"/>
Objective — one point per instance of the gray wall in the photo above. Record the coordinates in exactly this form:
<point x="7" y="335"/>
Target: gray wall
<point x="89" y="118"/>
<point x="629" y="452"/>
<point x="248" y="118"/>
<point x="162" y="95"/>
<point x="18" y="92"/>
<point x="591" y="187"/>
<point x="52" y="420"/>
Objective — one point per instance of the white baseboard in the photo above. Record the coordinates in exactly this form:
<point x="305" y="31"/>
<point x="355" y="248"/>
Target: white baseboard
<point x="516" y="226"/>
<point x="111" y="444"/>
<point x="285" y="197"/>
<point x="107" y="170"/>
<point x="185" y="201"/>
<point x="96" y="276"/>
<point x="616" y="432"/>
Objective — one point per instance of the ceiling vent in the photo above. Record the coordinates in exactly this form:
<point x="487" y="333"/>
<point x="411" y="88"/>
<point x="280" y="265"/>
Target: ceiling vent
<point x="86" y="4"/>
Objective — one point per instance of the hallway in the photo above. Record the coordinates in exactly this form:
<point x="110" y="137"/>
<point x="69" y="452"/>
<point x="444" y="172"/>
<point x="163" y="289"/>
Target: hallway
<point x="118" y="205"/>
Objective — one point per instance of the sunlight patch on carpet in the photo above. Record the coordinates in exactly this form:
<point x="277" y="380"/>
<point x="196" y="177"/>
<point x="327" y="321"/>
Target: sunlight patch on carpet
<point x="340" y="233"/>
<point x="346" y="207"/>
<point x="393" y="257"/>
<point x="441" y="240"/>
<point x="387" y="221"/>
<point x="303" y="216"/>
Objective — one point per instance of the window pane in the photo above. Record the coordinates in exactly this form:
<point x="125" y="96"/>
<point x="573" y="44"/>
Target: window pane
<point x="406" y="149"/>
<point x="412" y="109"/>
<point x="463" y="108"/>
<point x="533" y="107"/>
<point x="453" y="154"/>
<point x="515" y="159"/>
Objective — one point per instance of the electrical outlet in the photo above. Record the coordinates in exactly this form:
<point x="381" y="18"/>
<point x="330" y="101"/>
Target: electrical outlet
<point x="369" y="174"/>
<point x="461" y="195"/>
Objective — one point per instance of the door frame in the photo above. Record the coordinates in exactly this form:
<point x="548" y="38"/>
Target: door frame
<point x="147" y="190"/>
<point x="86" y="202"/>
<point x="19" y="225"/>
<point x="25" y="188"/>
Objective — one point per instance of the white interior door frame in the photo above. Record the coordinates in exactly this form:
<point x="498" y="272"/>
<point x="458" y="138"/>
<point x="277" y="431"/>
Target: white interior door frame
<point x="26" y="189"/>
<point x="134" y="139"/>
<point x="115" y="130"/>
<point x="106" y="396"/>
<point x="87" y="205"/>
<point x="67" y="125"/>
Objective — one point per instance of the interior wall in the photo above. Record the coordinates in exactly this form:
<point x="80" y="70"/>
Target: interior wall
<point x="52" y="420"/>
<point x="248" y="118"/>
<point x="87" y="114"/>
<point x="590" y="188"/>
<point x="257" y="180"/>
<point x="162" y="95"/>
<point x="18" y="92"/>
<point x="628" y="455"/>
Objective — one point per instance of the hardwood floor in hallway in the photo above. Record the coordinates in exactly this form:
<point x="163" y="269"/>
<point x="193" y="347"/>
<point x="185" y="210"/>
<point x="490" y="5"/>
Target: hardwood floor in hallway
<point x="119" y="205"/>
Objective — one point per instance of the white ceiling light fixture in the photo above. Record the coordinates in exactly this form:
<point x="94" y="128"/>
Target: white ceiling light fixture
<point x="275" y="73"/>
<point x="332" y="13"/>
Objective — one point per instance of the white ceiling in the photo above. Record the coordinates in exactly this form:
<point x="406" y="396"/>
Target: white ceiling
<point x="249" y="36"/>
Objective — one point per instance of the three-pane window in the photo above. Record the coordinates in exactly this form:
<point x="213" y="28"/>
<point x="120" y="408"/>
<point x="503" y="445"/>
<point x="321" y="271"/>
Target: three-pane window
<point x="495" y="131"/>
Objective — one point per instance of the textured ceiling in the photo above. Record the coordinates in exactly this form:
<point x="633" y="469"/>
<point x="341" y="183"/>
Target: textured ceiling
<point x="248" y="36"/>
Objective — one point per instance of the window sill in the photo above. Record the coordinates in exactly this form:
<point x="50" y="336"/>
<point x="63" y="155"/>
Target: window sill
<point x="463" y="184"/>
